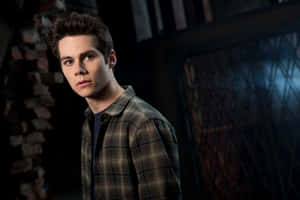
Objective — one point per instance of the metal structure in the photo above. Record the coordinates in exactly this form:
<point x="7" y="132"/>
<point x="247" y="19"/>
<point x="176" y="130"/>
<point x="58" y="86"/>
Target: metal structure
<point x="243" y="106"/>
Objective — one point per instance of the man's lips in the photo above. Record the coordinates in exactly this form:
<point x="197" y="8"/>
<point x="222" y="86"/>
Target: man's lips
<point x="83" y="83"/>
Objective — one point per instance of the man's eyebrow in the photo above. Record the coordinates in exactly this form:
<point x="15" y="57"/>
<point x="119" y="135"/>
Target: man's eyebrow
<point x="88" y="51"/>
<point x="83" y="54"/>
<point x="64" y="58"/>
<point x="80" y="55"/>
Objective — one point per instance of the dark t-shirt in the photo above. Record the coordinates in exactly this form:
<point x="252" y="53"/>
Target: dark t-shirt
<point x="95" y="133"/>
<point x="96" y="127"/>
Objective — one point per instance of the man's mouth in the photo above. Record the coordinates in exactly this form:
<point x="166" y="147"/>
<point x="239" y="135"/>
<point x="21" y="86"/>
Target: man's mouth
<point x="83" y="83"/>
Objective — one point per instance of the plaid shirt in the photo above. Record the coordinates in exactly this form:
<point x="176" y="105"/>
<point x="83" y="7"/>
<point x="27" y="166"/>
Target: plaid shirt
<point x="136" y="155"/>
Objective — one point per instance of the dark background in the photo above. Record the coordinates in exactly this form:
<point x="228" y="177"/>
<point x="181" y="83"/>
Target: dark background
<point x="155" y="68"/>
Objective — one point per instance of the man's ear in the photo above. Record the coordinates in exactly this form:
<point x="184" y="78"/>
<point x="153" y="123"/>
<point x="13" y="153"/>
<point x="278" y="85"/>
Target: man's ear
<point x="112" y="58"/>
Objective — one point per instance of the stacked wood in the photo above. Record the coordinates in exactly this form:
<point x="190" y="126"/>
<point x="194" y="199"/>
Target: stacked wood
<point x="27" y="108"/>
<point x="31" y="138"/>
<point x="30" y="35"/>
<point x="42" y="112"/>
<point x="30" y="54"/>
<point x="21" y="166"/>
<point x="49" y="78"/>
<point x="16" y="53"/>
<point x="42" y="64"/>
<point x="41" y="124"/>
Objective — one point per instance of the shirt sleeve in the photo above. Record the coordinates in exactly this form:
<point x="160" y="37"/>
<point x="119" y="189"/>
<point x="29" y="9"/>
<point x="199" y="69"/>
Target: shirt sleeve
<point x="155" y="158"/>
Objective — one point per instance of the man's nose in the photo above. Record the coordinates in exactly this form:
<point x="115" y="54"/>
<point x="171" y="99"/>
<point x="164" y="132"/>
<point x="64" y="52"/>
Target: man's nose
<point x="80" y="68"/>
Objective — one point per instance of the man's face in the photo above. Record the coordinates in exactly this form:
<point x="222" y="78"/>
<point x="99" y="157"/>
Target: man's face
<point x="84" y="66"/>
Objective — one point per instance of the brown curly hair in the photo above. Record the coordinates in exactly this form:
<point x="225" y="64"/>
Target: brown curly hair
<point x="81" y="24"/>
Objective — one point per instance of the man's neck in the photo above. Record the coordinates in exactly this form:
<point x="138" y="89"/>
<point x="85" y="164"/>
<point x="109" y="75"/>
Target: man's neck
<point x="108" y="95"/>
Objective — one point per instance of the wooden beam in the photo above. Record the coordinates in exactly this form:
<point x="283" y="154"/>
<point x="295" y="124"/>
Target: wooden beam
<point x="251" y="26"/>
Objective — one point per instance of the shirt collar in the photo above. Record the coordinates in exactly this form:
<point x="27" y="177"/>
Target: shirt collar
<point x="118" y="105"/>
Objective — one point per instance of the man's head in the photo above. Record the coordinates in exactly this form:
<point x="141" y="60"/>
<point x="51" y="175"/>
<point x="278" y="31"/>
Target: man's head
<point x="82" y="24"/>
<point x="83" y="45"/>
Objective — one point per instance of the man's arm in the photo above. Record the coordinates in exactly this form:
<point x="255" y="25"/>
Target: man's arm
<point x="155" y="157"/>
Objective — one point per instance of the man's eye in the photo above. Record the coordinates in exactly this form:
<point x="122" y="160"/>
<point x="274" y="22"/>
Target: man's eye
<point x="67" y="62"/>
<point x="88" y="57"/>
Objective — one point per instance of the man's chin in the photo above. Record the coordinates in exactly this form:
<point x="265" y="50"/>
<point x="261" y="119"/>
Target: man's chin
<point x="83" y="94"/>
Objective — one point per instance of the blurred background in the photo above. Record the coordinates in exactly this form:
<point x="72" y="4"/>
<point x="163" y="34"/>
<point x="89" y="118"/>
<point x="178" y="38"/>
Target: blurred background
<point x="226" y="73"/>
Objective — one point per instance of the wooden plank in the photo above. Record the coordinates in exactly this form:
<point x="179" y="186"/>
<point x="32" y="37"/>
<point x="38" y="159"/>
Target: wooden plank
<point x="179" y="14"/>
<point x="141" y="20"/>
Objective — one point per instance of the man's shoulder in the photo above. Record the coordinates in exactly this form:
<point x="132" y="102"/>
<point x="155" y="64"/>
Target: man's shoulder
<point x="139" y="111"/>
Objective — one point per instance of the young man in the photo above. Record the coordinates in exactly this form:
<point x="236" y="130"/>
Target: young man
<point x="129" y="150"/>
